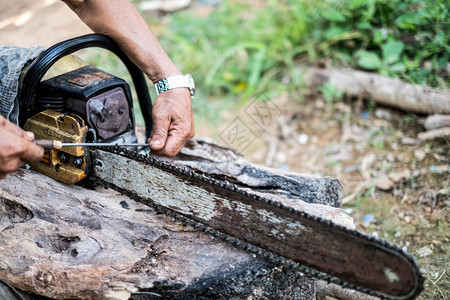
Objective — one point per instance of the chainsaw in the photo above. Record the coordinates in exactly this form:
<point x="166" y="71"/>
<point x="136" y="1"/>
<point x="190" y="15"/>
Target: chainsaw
<point x="87" y="114"/>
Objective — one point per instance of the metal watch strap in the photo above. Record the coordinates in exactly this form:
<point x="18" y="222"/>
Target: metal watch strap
<point x="178" y="81"/>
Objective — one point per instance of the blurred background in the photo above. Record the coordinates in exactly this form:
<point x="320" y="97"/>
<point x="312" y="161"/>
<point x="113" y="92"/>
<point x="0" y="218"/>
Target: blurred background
<point x="256" y="65"/>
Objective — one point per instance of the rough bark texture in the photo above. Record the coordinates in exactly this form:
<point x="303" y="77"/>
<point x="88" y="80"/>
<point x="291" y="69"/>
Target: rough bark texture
<point x="437" y="121"/>
<point x="325" y="289"/>
<point x="205" y="156"/>
<point x="440" y="133"/>
<point x="65" y="241"/>
<point x="385" y="90"/>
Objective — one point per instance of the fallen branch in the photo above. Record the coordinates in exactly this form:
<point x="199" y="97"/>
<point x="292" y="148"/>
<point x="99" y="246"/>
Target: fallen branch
<point x="382" y="89"/>
<point x="440" y="133"/>
<point x="437" y="121"/>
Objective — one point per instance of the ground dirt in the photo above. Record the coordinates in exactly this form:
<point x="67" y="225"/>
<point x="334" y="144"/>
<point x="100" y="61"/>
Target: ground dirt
<point x="394" y="186"/>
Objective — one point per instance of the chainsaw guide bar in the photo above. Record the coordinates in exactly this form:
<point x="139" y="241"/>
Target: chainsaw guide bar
<point x="272" y="230"/>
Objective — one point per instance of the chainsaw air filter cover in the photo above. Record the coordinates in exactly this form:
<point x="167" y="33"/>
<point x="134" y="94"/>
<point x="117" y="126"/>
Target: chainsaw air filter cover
<point x="101" y="99"/>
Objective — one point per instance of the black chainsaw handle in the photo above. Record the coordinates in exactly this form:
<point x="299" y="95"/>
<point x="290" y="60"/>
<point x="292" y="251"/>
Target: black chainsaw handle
<point x="46" y="59"/>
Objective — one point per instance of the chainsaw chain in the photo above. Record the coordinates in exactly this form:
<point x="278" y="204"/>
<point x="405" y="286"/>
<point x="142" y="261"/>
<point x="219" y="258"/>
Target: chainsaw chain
<point x="265" y="254"/>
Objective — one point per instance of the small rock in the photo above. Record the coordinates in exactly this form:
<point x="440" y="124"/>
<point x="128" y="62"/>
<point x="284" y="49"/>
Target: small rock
<point x="302" y="138"/>
<point x="419" y="154"/>
<point x="397" y="176"/>
<point x="424" y="251"/>
<point x="398" y="234"/>
<point x="319" y="103"/>
<point x="384" y="183"/>
<point x="410" y="141"/>
<point x="401" y="157"/>
<point x="416" y="173"/>
<point x="348" y="211"/>
<point x="281" y="157"/>
<point x="352" y="168"/>
<point x="390" y="157"/>
<point x="382" y="113"/>
<point x="447" y="203"/>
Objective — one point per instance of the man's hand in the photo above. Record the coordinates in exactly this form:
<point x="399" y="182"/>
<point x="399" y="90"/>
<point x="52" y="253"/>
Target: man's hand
<point x="173" y="122"/>
<point x="172" y="111"/>
<point x="16" y="147"/>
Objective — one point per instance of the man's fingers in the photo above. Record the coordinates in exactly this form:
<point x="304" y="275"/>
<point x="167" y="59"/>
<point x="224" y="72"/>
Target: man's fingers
<point x="33" y="152"/>
<point x="29" y="135"/>
<point x="159" y="133"/>
<point x="157" y="143"/>
<point x="157" y="140"/>
<point x="174" y="144"/>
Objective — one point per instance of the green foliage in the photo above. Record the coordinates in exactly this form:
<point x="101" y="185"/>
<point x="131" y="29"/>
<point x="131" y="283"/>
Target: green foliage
<point x="241" y="50"/>
<point x="330" y="92"/>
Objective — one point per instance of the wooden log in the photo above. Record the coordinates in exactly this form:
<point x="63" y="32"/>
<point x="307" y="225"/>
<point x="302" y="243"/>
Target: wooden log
<point x="65" y="241"/>
<point x="437" y="121"/>
<point x="206" y="156"/>
<point x="382" y="89"/>
<point x="440" y="133"/>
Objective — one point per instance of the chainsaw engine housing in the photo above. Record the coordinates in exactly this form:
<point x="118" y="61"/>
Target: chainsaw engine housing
<point x="79" y="106"/>
<point x="101" y="99"/>
<point x="63" y="98"/>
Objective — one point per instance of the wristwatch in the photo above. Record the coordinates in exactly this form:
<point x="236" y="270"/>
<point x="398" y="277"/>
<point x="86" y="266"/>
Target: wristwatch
<point x="178" y="81"/>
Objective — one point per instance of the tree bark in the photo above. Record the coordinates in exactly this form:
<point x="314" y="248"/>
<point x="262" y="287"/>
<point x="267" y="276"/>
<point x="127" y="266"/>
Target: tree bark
<point x="66" y="241"/>
<point x="440" y="133"/>
<point x="437" y="121"/>
<point x="340" y="293"/>
<point x="382" y="89"/>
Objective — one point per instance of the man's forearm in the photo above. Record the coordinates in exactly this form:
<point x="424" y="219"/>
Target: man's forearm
<point x="123" y="23"/>
<point x="172" y="110"/>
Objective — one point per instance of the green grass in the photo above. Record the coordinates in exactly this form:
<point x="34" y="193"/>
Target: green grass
<point x="240" y="50"/>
